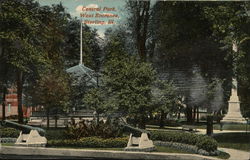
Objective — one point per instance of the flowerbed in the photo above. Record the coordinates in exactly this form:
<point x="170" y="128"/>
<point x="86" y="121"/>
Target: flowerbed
<point x="200" y="141"/>
<point x="90" y="142"/>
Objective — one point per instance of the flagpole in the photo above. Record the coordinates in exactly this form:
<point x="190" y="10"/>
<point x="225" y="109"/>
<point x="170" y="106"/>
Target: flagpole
<point x="81" y="43"/>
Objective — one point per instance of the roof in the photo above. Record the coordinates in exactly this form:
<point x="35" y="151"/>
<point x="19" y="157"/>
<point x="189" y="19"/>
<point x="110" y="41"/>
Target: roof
<point x="81" y="72"/>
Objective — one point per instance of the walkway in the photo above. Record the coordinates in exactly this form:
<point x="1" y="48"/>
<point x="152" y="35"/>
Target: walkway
<point x="203" y="131"/>
<point x="236" y="154"/>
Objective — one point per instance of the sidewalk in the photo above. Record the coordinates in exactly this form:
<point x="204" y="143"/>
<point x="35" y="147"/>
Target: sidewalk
<point x="236" y="154"/>
<point x="203" y="131"/>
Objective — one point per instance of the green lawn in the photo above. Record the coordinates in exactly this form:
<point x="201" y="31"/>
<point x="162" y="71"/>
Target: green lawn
<point x="226" y="127"/>
<point x="164" y="149"/>
<point x="169" y="150"/>
<point x="241" y="127"/>
<point x="223" y="155"/>
<point x="239" y="141"/>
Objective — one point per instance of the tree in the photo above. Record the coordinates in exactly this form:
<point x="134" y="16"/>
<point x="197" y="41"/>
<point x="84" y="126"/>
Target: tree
<point x="52" y="91"/>
<point x="18" y="36"/>
<point x="165" y="99"/>
<point x="231" y="22"/>
<point x="128" y="82"/>
<point x="214" y="102"/>
<point x="32" y="38"/>
<point x="139" y="19"/>
<point x="95" y="99"/>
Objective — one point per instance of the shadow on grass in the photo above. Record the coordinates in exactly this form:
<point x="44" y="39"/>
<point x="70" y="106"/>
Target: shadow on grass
<point x="239" y="141"/>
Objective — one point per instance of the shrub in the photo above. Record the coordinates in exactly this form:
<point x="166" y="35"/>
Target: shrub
<point x="207" y="143"/>
<point x="9" y="132"/>
<point x="201" y="141"/>
<point x="88" y="129"/>
<point x="55" y="134"/>
<point x="90" y="142"/>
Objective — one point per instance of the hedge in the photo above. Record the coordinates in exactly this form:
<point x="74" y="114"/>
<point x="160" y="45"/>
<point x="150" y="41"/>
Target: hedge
<point x="90" y="142"/>
<point x="55" y="134"/>
<point x="9" y="132"/>
<point x="201" y="141"/>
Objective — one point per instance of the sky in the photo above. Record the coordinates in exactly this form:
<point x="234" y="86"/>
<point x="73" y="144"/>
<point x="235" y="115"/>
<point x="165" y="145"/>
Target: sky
<point x="75" y="7"/>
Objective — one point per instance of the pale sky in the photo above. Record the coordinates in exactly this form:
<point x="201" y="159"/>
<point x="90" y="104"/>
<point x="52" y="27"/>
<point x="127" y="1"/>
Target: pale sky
<point x="74" y="7"/>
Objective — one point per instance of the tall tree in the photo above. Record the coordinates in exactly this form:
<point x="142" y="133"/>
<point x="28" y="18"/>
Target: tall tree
<point x="95" y="99"/>
<point x="165" y="99"/>
<point x="129" y="83"/>
<point x="139" y="19"/>
<point x="52" y="91"/>
<point x="231" y="22"/>
<point x="18" y="36"/>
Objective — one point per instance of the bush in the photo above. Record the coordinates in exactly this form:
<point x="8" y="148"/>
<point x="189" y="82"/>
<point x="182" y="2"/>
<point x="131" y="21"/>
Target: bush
<point x="201" y="141"/>
<point x="55" y="134"/>
<point x="90" y="142"/>
<point x="207" y="144"/>
<point x="9" y="132"/>
<point x="88" y="129"/>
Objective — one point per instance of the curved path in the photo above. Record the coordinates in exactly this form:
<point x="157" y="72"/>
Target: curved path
<point x="236" y="154"/>
<point x="96" y="154"/>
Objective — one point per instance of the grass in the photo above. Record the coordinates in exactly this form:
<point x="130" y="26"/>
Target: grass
<point x="240" y="127"/>
<point x="223" y="155"/>
<point x="7" y="144"/>
<point x="239" y="141"/>
<point x="236" y="127"/>
<point x="163" y="149"/>
<point x="169" y="150"/>
<point x="113" y="149"/>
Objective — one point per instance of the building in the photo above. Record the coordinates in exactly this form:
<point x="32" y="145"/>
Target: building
<point x="11" y="106"/>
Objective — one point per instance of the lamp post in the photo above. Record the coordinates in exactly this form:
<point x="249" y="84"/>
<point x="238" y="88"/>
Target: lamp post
<point x="246" y="125"/>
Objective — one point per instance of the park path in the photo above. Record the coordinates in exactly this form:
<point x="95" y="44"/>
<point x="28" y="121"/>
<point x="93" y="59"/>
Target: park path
<point x="236" y="154"/>
<point x="203" y="131"/>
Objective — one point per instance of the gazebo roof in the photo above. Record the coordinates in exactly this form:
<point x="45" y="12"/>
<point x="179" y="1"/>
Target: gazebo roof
<point x="81" y="72"/>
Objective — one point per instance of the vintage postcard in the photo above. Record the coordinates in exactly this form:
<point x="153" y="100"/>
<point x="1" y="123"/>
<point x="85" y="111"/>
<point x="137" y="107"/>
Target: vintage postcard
<point x="124" y="79"/>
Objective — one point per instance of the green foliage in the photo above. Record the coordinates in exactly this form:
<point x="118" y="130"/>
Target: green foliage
<point x="88" y="129"/>
<point x="52" y="89"/>
<point x="230" y="24"/>
<point x="55" y="134"/>
<point x="128" y="83"/>
<point x="165" y="98"/>
<point x="90" y="142"/>
<point x="201" y="141"/>
<point x="207" y="144"/>
<point x="94" y="99"/>
<point x="239" y="141"/>
<point x="91" y="48"/>
<point x="9" y="132"/>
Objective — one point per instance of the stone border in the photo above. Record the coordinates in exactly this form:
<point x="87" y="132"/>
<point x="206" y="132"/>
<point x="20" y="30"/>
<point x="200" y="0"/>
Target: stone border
<point x="14" y="150"/>
<point x="186" y="147"/>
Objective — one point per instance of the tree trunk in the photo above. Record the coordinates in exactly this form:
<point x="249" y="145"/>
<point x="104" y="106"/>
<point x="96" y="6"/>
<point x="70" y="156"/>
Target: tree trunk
<point x="97" y="118"/>
<point x="162" y="119"/>
<point x="194" y="114"/>
<point x="189" y="115"/>
<point x="141" y="27"/>
<point x="47" y="114"/>
<point x="19" y="95"/>
<point x="4" y="103"/>
<point x="56" y="118"/>
<point x="179" y="115"/>
<point x="55" y="121"/>
<point x="197" y="114"/>
<point x="209" y="125"/>
<point x="142" y="122"/>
